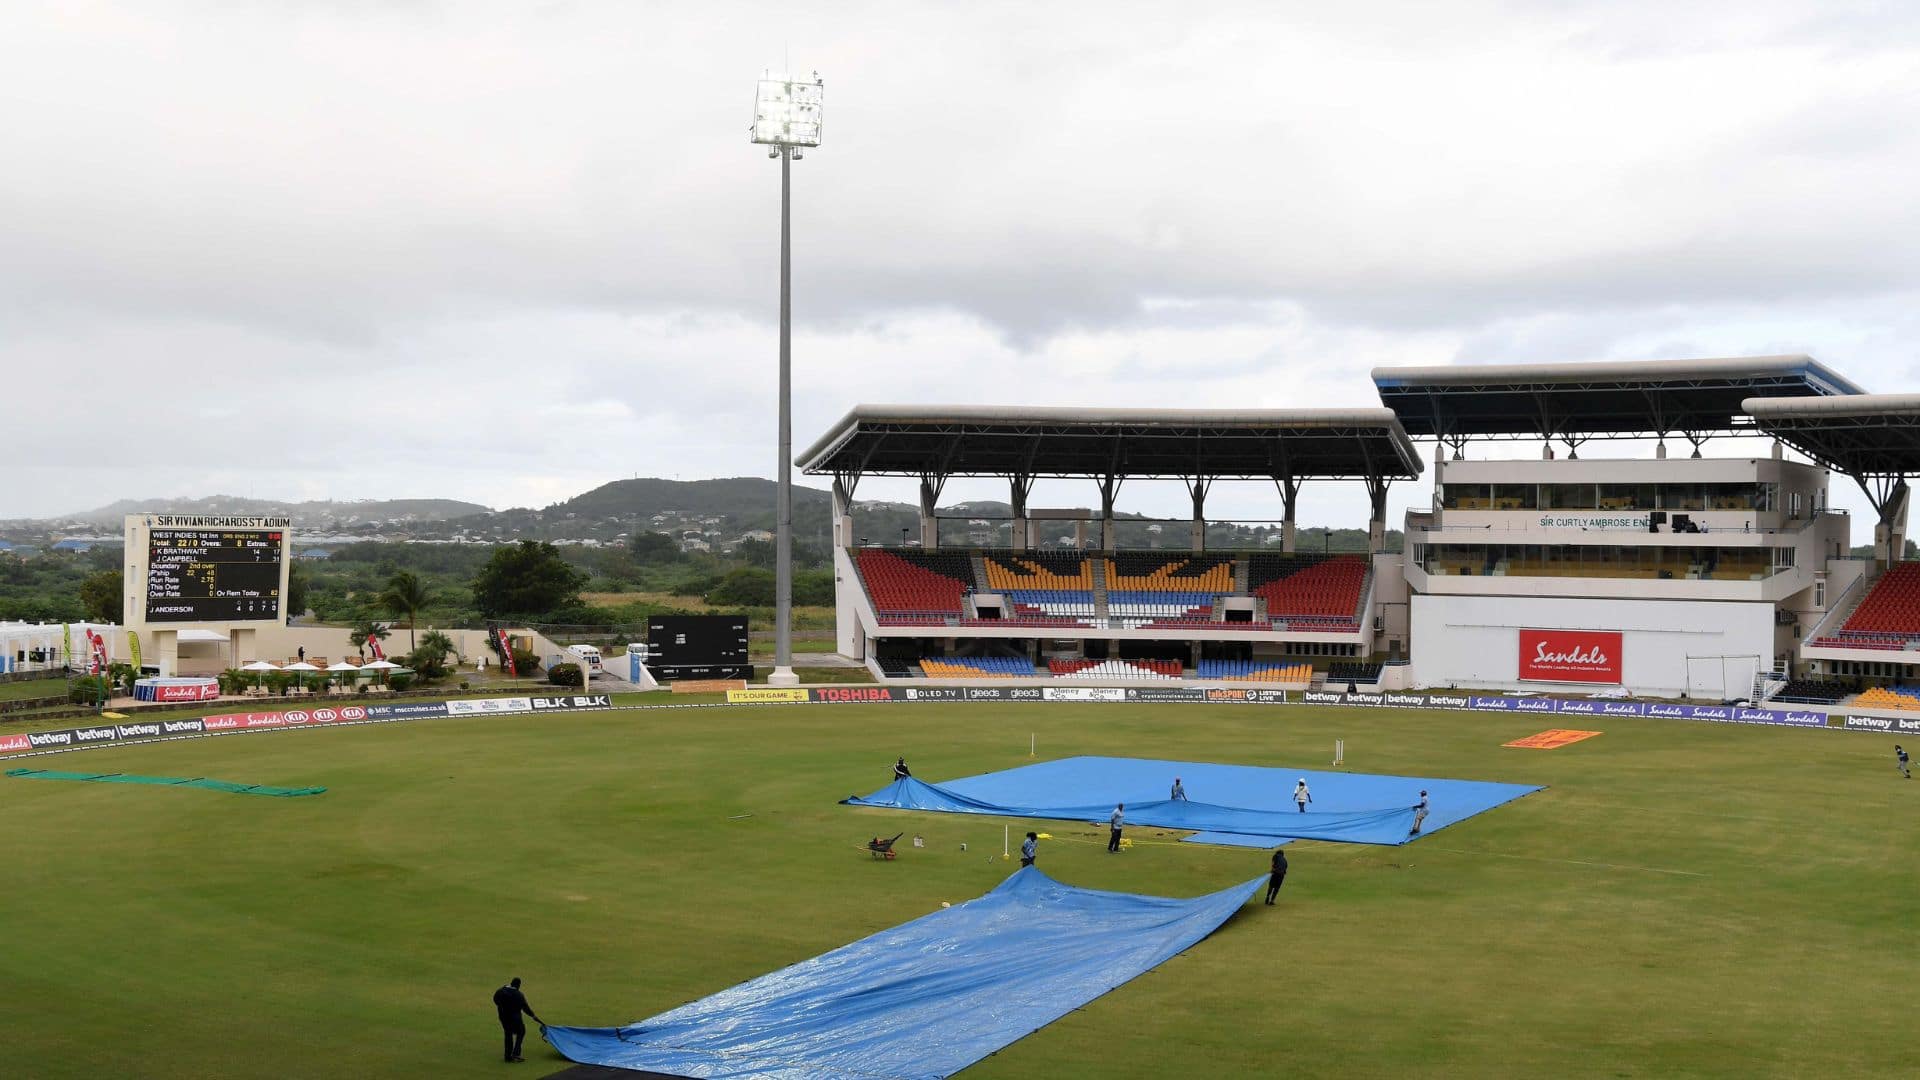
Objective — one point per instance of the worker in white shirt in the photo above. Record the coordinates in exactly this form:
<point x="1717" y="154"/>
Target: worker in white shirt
<point x="1301" y="796"/>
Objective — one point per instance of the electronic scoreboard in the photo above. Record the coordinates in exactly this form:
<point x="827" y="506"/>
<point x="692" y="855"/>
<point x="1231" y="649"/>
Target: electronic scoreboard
<point x="210" y="569"/>
<point x="698" y="647"/>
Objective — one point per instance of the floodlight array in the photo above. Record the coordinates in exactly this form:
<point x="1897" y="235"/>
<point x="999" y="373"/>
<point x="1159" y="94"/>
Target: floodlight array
<point x="787" y="110"/>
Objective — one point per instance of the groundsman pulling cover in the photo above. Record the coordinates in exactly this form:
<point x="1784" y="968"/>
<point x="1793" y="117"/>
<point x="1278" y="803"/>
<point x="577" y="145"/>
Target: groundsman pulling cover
<point x="924" y="999"/>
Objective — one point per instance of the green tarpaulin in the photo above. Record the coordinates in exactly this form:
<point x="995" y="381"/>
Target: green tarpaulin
<point x="165" y="781"/>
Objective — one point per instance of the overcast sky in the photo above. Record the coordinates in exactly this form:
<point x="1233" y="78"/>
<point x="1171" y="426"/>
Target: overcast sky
<point x="507" y="252"/>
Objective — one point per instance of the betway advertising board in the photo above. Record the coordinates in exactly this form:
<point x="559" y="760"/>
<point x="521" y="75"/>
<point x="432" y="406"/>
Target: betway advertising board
<point x="320" y="716"/>
<point x="1582" y="656"/>
<point x="1885" y="725"/>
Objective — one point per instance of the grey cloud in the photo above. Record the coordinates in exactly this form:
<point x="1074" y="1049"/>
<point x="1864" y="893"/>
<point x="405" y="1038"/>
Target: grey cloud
<point x="498" y="212"/>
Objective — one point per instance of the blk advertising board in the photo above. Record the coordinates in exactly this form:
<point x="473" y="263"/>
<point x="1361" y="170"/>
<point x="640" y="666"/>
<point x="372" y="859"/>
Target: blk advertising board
<point x="1582" y="656"/>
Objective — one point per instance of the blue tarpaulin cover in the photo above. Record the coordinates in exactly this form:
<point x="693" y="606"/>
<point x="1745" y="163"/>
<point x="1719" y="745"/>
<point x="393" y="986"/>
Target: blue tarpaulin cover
<point x="924" y="999"/>
<point x="1229" y="804"/>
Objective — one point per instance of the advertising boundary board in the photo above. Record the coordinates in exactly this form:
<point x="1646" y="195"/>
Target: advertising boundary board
<point x="1884" y="725"/>
<point x="1724" y="714"/>
<point x="30" y="743"/>
<point x="1589" y="656"/>
<point x="27" y="744"/>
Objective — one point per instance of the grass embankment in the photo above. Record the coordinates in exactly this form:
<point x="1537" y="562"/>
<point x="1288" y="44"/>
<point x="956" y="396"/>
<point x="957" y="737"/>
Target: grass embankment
<point x="1683" y="900"/>
<point x="32" y="688"/>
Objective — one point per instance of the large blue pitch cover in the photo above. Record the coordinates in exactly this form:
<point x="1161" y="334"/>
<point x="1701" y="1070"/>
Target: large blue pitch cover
<point x="924" y="999"/>
<point x="1226" y="804"/>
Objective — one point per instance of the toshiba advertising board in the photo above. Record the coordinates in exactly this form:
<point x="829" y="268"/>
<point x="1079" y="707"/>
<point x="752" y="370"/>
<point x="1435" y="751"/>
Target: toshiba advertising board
<point x="1584" y="656"/>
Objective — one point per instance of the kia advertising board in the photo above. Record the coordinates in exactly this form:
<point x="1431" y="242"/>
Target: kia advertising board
<point x="1583" y="656"/>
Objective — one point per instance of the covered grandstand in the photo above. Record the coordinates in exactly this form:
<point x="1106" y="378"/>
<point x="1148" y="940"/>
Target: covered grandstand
<point x="1088" y="610"/>
<point x="1672" y="573"/>
<point x="1576" y="402"/>
<point x="1871" y="637"/>
<point x="1727" y="578"/>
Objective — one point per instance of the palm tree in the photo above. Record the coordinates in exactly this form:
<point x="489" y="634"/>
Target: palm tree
<point x="430" y="658"/>
<point x="363" y="632"/>
<point x="406" y="596"/>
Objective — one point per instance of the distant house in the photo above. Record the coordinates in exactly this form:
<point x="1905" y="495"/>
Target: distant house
<point x="762" y="535"/>
<point x="78" y="547"/>
<point x="6" y="545"/>
<point x="315" y="553"/>
<point x="692" y="544"/>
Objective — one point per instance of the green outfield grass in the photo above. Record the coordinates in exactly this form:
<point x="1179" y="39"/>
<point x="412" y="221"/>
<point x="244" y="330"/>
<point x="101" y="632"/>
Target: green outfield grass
<point x="1683" y="900"/>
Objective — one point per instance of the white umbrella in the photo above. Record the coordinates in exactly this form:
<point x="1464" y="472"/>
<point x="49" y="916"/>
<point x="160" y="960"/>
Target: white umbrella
<point x="260" y="665"/>
<point x="257" y="667"/>
<point x="382" y="666"/>
<point x="343" y="667"/>
<point x="302" y="666"/>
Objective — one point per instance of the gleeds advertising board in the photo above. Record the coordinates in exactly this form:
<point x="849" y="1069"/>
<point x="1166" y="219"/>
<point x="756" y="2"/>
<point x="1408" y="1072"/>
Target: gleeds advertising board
<point x="1582" y="656"/>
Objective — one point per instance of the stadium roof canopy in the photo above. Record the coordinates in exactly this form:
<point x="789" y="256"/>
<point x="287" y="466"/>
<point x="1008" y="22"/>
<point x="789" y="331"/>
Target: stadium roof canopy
<point x="1612" y="399"/>
<point x="1864" y="435"/>
<point x="1301" y="444"/>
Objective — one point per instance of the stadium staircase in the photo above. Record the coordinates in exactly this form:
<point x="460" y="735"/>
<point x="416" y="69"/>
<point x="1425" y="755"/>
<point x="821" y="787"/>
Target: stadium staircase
<point x="1366" y="598"/>
<point x="980" y="573"/>
<point x="1768" y="683"/>
<point x="1239" y="577"/>
<point x="1842" y="609"/>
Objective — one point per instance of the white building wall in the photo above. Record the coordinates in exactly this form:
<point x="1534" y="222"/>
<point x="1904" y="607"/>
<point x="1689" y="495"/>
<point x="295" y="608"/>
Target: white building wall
<point x="849" y="604"/>
<point x="1390" y="594"/>
<point x="1670" y="648"/>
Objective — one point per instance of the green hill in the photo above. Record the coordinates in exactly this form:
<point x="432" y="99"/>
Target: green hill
<point x="313" y="514"/>
<point x="744" y="499"/>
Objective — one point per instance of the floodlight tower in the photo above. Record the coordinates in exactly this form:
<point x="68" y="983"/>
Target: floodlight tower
<point x="786" y="119"/>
